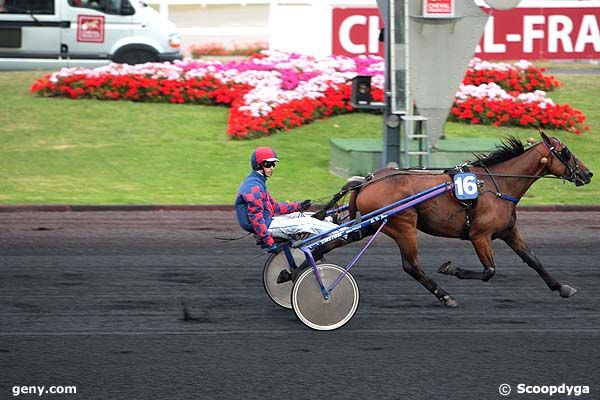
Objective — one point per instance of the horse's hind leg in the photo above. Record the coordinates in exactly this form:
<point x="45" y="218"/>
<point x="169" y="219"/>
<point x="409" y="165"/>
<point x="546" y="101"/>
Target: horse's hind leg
<point x="483" y="248"/>
<point x="407" y="241"/>
<point x="514" y="239"/>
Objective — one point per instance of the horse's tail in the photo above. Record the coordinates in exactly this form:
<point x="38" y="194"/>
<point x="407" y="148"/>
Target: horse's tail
<point x="353" y="184"/>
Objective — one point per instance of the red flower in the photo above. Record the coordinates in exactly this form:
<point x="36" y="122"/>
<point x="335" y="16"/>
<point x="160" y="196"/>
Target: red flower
<point x="335" y="100"/>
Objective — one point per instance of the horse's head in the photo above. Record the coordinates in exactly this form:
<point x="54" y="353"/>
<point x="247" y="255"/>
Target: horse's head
<point x="563" y="163"/>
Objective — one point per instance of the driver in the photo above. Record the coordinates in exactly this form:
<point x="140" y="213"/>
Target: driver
<point x="258" y="212"/>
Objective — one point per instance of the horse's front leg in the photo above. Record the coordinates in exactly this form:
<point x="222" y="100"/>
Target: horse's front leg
<point x="514" y="239"/>
<point x="483" y="248"/>
<point x="410" y="264"/>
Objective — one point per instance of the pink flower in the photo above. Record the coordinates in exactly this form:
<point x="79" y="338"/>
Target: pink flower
<point x="275" y="91"/>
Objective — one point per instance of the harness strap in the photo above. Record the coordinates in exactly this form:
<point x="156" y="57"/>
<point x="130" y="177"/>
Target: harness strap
<point x="464" y="234"/>
<point x="508" y="197"/>
<point x="468" y="205"/>
<point x="491" y="177"/>
<point x="498" y="193"/>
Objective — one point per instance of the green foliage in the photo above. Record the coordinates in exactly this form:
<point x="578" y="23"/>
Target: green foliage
<point x="60" y="151"/>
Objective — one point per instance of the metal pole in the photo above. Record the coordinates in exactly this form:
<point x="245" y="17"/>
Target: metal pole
<point x="391" y="123"/>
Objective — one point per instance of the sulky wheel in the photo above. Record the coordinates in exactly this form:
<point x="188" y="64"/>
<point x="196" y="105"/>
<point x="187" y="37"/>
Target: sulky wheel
<point x="280" y="292"/>
<point x="316" y="312"/>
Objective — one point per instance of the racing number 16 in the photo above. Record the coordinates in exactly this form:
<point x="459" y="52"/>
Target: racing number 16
<point x="465" y="186"/>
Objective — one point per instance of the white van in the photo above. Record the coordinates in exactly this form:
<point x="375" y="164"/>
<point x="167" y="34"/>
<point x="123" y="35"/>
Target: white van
<point x="58" y="33"/>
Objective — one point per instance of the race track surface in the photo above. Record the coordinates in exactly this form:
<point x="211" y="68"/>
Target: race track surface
<point x="93" y="299"/>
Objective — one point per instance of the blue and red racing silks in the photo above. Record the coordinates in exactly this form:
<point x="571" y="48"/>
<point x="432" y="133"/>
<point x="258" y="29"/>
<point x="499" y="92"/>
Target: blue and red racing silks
<point x="255" y="207"/>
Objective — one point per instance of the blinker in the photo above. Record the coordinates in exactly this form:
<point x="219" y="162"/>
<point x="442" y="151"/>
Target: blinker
<point x="565" y="153"/>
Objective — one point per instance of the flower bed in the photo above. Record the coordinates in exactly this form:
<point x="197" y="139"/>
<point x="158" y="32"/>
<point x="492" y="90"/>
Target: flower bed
<point x="275" y="91"/>
<point x="505" y="95"/>
<point x="267" y="93"/>
<point x="520" y="77"/>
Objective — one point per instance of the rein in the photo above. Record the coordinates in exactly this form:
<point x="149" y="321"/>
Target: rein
<point x="416" y="172"/>
<point x="574" y="171"/>
<point x="563" y="154"/>
<point x="476" y="173"/>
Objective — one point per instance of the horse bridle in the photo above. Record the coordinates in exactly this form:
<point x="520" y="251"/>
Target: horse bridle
<point x="564" y="156"/>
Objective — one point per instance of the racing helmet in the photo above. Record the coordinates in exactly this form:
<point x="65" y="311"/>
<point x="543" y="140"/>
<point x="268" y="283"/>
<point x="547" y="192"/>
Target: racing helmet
<point x="262" y="154"/>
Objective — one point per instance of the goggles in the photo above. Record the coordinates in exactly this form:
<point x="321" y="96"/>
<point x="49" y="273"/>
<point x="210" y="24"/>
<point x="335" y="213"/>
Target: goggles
<point x="269" y="164"/>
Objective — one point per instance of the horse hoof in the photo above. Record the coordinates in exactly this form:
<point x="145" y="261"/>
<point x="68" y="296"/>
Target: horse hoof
<point x="449" y="302"/>
<point x="447" y="268"/>
<point x="566" y="291"/>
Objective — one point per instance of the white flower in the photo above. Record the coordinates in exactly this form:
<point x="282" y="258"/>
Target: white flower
<point x="278" y="77"/>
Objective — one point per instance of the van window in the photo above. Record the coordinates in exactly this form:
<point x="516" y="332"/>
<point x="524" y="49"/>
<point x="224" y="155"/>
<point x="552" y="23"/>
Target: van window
<point x="27" y="6"/>
<point x="116" y="7"/>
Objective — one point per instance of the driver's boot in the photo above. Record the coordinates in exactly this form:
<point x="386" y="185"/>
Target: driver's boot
<point x="286" y="276"/>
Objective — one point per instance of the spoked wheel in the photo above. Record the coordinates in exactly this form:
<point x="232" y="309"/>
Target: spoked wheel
<point x="313" y="310"/>
<point x="280" y="292"/>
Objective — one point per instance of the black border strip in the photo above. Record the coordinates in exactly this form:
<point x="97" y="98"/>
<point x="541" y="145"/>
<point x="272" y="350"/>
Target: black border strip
<point x="44" y="55"/>
<point x="44" y="24"/>
<point x="40" y="55"/>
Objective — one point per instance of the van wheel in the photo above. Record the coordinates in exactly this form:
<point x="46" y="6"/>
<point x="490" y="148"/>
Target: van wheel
<point x="137" y="56"/>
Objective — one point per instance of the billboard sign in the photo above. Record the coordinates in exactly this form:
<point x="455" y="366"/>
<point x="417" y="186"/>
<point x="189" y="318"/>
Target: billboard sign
<point x="544" y="32"/>
<point x="356" y="31"/>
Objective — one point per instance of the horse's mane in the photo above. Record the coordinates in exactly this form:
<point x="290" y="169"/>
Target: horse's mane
<point x="508" y="148"/>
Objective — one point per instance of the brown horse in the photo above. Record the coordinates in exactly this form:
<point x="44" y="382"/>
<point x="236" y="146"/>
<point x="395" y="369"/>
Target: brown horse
<point x="505" y="175"/>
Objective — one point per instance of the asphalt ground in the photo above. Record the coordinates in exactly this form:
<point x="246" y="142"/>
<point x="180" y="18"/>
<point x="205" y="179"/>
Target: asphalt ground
<point x="92" y="300"/>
